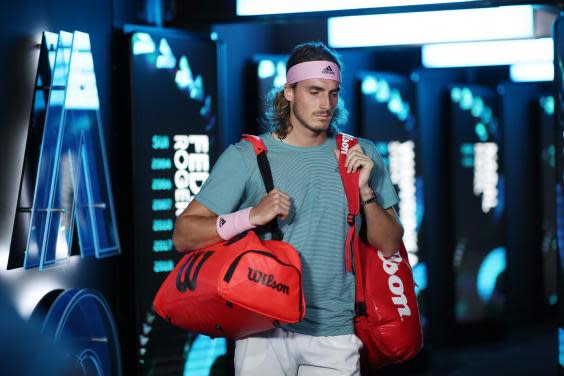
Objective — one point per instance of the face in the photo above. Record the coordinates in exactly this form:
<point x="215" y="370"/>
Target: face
<point x="313" y="103"/>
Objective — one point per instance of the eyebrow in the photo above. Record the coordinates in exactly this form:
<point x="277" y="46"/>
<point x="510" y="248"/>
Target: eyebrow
<point x="319" y="88"/>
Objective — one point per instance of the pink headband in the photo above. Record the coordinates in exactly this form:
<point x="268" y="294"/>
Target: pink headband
<point x="313" y="69"/>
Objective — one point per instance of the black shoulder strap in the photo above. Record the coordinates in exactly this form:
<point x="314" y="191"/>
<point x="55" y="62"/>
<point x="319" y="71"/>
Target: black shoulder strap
<point x="266" y="173"/>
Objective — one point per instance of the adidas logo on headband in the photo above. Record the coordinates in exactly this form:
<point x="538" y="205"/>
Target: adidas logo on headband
<point x="328" y="70"/>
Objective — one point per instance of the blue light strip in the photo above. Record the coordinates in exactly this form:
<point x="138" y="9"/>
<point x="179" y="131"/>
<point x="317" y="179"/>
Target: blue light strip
<point x="561" y="346"/>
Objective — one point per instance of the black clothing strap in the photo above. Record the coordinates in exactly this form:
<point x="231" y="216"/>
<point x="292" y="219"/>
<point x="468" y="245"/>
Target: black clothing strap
<point x="266" y="174"/>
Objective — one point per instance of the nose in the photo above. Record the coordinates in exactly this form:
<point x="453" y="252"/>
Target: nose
<point x="325" y="102"/>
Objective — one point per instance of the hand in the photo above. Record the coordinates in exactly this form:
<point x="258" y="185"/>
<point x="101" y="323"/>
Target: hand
<point x="275" y="203"/>
<point x="358" y="161"/>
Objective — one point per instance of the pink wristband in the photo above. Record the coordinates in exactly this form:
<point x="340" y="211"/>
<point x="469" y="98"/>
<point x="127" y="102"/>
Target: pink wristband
<point x="229" y="225"/>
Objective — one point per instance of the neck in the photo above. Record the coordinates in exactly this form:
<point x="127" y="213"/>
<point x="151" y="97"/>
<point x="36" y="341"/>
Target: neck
<point x="299" y="136"/>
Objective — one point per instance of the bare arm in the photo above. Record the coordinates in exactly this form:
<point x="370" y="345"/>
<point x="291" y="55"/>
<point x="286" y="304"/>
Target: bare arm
<point x="196" y="226"/>
<point x="383" y="228"/>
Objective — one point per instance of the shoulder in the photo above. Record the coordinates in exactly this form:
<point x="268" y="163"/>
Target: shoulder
<point x="241" y="150"/>
<point x="369" y="148"/>
<point x="366" y="144"/>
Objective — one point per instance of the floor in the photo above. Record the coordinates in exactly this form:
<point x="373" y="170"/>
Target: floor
<point x="529" y="351"/>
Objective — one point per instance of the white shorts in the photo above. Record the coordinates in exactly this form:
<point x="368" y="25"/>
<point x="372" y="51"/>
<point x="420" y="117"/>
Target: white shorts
<point x="282" y="353"/>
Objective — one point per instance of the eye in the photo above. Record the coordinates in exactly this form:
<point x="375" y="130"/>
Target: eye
<point x="314" y="92"/>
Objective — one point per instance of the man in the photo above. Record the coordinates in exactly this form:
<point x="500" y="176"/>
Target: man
<point x="310" y="204"/>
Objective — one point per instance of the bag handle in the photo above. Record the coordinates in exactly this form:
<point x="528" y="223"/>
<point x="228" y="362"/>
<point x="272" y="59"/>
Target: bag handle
<point x="350" y="183"/>
<point x="264" y="168"/>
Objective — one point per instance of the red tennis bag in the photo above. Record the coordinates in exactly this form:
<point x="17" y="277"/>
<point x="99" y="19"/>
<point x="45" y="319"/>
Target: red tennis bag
<point x="238" y="287"/>
<point x="387" y="316"/>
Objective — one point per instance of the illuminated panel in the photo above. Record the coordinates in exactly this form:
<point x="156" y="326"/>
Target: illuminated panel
<point x="470" y="54"/>
<point x="545" y="110"/>
<point x="477" y="203"/>
<point x="532" y="72"/>
<point x="431" y="27"/>
<point x="41" y="209"/>
<point x="269" y="71"/>
<point x="559" y="186"/>
<point x="65" y="162"/>
<point x="36" y="134"/>
<point x="173" y="139"/>
<point x="84" y="160"/>
<point x="264" y="7"/>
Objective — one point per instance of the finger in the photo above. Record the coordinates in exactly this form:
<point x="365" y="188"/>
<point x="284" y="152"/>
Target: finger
<point x="351" y="163"/>
<point x="348" y="161"/>
<point x="357" y="161"/>
<point x="357" y="164"/>
<point x="358" y="148"/>
<point x="283" y="214"/>
<point x="362" y="162"/>
<point x="285" y="202"/>
<point x="284" y="195"/>
<point x="278" y="193"/>
<point x="280" y="202"/>
<point x="286" y="206"/>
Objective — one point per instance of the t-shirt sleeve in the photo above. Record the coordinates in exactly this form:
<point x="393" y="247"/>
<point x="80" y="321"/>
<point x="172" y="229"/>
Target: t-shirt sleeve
<point x="380" y="181"/>
<point x="224" y="189"/>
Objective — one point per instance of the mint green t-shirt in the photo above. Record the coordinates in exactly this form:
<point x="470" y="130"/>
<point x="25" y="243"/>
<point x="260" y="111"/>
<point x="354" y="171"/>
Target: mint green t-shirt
<point x="316" y="225"/>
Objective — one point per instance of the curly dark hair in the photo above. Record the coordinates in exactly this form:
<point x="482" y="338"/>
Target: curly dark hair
<point x="277" y="108"/>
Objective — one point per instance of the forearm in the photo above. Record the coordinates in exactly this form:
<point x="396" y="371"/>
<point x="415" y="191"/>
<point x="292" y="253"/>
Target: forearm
<point x="383" y="230"/>
<point x="195" y="232"/>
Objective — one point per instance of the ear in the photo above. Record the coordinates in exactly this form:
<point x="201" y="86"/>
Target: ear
<point x="289" y="93"/>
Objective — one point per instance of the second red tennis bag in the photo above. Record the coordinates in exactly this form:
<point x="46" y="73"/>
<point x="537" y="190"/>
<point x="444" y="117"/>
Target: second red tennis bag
<point x="238" y="287"/>
<point x="387" y="316"/>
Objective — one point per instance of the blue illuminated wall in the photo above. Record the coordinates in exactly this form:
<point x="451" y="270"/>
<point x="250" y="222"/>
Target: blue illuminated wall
<point x="544" y="109"/>
<point x="529" y="202"/>
<point x="559" y="187"/>
<point x="66" y="183"/>
<point x="478" y="204"/>
<point x="174" y="145"/>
